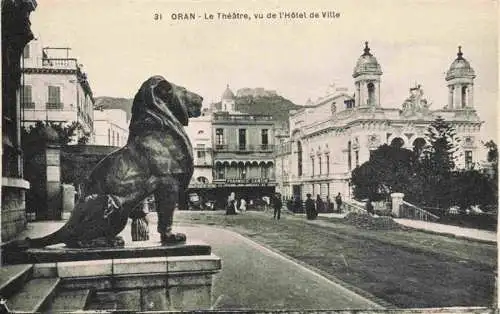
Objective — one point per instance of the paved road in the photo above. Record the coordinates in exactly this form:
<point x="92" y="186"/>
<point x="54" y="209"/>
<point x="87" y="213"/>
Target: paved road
<point x="252" y="276"/>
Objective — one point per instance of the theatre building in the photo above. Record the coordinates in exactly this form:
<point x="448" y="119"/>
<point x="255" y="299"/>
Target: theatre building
<point x="242" y="152"/>
<point x="336" y="133"/>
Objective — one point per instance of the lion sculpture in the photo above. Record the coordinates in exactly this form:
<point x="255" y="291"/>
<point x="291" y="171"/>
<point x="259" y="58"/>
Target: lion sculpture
<point x="157" y="159"/>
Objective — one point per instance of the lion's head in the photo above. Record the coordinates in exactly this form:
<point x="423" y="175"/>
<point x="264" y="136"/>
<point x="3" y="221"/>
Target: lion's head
<point x="167" y="99"/>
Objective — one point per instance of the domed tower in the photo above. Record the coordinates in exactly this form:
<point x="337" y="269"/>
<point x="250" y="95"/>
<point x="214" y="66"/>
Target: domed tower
<point x="460" y="81"/>
<point x="227" y="101"/>
<point x="367" y="80"/>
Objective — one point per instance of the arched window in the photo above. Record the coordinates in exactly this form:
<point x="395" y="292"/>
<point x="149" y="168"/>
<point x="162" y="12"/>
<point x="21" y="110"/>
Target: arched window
<point x="264" y="173"/>
<point x="464" y="96"/>
<point x="397" y="142"/>
<point x="299" y="158"/>
<point x="371" y="94"/>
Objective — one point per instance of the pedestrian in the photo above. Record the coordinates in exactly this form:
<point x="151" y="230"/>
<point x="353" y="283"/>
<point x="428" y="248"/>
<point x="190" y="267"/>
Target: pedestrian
<point x="310" y="208"/>
<point x="297" y="205"/>
<point x="319" y="204"/>
<point x="329" y="204"/>
<point x="338" y="200"/>
<point x="140" y="226"/>
<point x="243" y="205"/>
<point x="369" y="207"/>
<point x="277" y="204"/>
<point x="230" y="206"/>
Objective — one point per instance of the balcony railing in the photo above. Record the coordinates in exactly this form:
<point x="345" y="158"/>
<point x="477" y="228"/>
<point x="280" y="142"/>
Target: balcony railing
<point x="250" y="148"/>
<point x="60" y="63"/>
<point x="54" y="105"/>
<point x="28" y="105"/>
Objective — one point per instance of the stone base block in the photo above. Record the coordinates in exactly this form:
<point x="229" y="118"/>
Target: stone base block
<point x="134" y="278"/>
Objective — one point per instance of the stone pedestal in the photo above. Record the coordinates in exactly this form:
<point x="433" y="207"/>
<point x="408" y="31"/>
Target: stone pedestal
<point x="138" y="277"/>
<point x="68" y="200"/>
<point x="397" y="201"/>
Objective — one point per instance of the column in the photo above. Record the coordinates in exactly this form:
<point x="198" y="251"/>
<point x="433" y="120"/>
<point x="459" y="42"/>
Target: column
<point x="470" y="100"/>
<point x="397" y="201"/>
<point x="358" y="95"/>
<point x="450" y="97"/>
<point x="377" y="93"/>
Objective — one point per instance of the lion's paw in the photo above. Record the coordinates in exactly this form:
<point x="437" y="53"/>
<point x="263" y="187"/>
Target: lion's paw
<point x="173" y="238"/>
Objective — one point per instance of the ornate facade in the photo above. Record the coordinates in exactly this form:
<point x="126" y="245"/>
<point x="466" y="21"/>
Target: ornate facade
<point x="329" y="138"/>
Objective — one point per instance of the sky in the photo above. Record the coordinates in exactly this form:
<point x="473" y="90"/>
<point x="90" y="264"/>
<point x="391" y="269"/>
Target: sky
<point x="121" y="44"/>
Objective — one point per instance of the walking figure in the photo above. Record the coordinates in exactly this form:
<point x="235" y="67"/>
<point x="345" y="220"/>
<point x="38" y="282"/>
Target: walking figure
<point x="338" y="200"/>
<point x="311" y="212"/>
<point x="369" y="207"/>
<point x="277" y="204"/>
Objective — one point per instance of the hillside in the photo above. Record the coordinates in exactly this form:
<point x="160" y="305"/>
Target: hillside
<point x="276" y="106"/>
<point x="106" y="102"/>
<point x="272" y="104"/>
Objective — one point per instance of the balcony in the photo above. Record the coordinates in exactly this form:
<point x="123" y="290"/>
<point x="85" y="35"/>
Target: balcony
<point x="247" y="148"/>
<point x="54" y="106"/>
<point x="60" y="63"/>
<point x="28" y="105"/>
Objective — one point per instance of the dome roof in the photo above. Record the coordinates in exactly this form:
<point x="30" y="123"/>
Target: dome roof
<point x="367" y="64"/>
<point x="228" y="94"/>
<point x="460" y="68"/>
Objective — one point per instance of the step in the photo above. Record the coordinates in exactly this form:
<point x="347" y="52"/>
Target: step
<point x="35" y="294"/>
<point x="103" y="301"/>
<point x="70" y="300"/>
<point x="13" y="278"/>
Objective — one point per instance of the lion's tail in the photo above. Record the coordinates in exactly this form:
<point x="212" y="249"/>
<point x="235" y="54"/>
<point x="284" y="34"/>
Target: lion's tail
<point x="29" y="243"/>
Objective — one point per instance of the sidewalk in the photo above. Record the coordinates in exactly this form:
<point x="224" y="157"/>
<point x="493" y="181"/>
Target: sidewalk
<point x="468" y="233"/>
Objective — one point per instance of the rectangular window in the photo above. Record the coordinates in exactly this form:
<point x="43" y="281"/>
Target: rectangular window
<point x="219" y="138"/>
<point x="265" y="138"/>
<point x="327" y="164"/>
<point x="26" y="51"/>
<point x="357" y="158"/>
<point x="26" y="97"/>
<point x="109" y="137"/>
<point x="312" y="166"/>
<point x="468" y="159"/>
<point x="54" y="99"/>
<point x="201" y="154"/>
<point x="319" y="163"/>
<point x="242" y="139"/>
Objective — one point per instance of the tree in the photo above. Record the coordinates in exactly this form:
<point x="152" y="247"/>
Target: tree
<point x="437" y="163"/>
<point x="471" y="187"/>
<point x="65" y="133"/>
<point x="390" y="169"/>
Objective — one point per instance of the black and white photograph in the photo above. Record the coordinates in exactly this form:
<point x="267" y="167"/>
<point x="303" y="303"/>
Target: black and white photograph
<point x="263" y="156"/>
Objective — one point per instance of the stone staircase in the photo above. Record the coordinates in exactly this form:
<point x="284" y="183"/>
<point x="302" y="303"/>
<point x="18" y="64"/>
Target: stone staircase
<point x="24" y="290"/>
